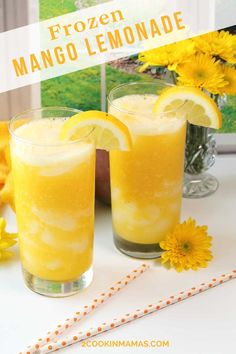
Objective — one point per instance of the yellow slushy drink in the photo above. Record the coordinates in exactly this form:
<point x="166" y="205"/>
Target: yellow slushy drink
<point x="146" y="182"/>
<point x="54" y="196"/>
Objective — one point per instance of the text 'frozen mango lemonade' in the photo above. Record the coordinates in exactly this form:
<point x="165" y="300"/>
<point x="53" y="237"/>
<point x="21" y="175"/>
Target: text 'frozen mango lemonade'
<point x="146" y="182"/>
<point x="54" y="196"/>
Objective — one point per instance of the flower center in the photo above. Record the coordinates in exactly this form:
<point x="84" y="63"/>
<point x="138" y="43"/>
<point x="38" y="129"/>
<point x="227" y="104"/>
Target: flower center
<point x="186" y="247"/>
<point x="201" y="75"/>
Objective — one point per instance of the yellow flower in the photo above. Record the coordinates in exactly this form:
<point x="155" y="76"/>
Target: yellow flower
<point x="6" y="240"/>
<point x="7" y="192"/>
<point x="230" y="78"/>
<point x="168" y="56"/>
<point x="6" y="183"/>
<point x="203" y="72"/>
<point x="218" y="44"/>
<point x="187" y="247"/>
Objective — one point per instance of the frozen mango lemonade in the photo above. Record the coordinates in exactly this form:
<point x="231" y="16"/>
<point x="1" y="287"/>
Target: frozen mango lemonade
<point x="146" y="182"/>
<point x="54" y="196"/>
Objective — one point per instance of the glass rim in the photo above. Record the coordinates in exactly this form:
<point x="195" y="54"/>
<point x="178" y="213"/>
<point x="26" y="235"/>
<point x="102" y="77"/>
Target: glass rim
<point x="39" y="109"/>
<point x="130" y="84"/>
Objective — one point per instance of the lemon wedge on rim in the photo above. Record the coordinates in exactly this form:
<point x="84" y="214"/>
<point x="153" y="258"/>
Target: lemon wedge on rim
<point x="106" y="131"/>
<point x="189" y="103"/>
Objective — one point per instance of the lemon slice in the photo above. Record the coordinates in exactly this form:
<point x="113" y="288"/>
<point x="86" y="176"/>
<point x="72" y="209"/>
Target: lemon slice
<point x="189" y="103"/>
<point x="107" y="132"/>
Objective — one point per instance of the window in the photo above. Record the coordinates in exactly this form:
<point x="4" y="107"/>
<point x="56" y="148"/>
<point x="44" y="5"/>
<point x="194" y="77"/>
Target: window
<point x="84" y="89"/>
<point x="14" y="14"/>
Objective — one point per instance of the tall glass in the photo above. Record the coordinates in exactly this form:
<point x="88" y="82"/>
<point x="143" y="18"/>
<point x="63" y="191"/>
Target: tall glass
<point x="54" y="197"/>
<point x="146" y="182"/>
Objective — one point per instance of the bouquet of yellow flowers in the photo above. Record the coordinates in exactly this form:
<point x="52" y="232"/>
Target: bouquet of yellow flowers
<point x="207" y="62"/>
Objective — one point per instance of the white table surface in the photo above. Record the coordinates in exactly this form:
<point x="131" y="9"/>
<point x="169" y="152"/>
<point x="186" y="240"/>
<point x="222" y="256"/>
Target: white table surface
<point x="204" y="324"/>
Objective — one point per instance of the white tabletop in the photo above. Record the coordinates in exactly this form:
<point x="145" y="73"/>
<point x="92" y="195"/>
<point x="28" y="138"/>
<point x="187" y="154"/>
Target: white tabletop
<point x="203" y="324"/>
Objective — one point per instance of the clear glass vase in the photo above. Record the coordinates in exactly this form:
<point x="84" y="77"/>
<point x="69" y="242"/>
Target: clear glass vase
<point x="200" y="155"/>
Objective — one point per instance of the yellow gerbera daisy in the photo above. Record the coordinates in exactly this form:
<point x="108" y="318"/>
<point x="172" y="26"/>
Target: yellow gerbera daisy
<point x="6" y="240"/>
<point x="218" y="44"/>
<point x="168" y="56"/>
<point x="230" y="78"/>
<point x="187" y="247"/>
<point x="203" y="72"/>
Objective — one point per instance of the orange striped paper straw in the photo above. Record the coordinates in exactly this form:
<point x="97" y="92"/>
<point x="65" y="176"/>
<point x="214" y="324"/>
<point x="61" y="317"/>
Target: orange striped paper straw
<point x="70" y="322"/>
<point x="128" y="317"/>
